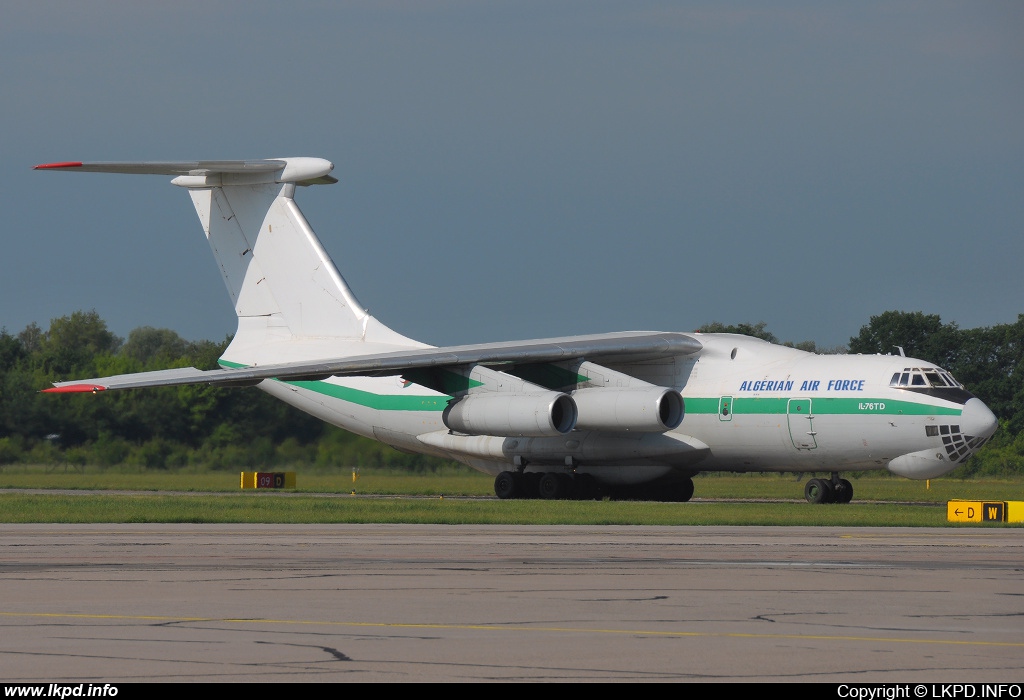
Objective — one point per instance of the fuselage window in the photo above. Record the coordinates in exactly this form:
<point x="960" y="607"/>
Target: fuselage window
<point x="927" y="376"/>
<point x="950" y="380"/>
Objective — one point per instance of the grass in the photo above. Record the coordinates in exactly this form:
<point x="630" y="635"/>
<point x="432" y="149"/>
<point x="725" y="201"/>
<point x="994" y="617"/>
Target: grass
<point x="271" y="508"/>
<point x="461" y="497"/>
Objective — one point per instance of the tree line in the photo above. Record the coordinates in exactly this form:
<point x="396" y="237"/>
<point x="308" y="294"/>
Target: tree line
<point x="167" y="427"/>
<point x="224" y="428"/>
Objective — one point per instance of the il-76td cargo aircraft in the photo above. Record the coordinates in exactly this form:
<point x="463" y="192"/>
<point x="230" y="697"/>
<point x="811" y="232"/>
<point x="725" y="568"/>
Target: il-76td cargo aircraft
<point x="628" y="415"/>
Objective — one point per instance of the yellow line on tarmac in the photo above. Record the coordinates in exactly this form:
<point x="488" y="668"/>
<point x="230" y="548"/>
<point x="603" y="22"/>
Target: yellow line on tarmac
<point x="514" y="628"/>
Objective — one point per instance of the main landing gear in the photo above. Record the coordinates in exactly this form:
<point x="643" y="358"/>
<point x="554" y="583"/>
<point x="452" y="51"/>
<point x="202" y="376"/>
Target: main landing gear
<point x="834" y="490"/>
<point x="546" y="485"/>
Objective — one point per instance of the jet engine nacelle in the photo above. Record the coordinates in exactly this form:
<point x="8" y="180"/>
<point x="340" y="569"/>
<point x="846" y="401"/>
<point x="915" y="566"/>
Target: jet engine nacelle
<point x="652" y="409"/>
<point x="538" y="414"/>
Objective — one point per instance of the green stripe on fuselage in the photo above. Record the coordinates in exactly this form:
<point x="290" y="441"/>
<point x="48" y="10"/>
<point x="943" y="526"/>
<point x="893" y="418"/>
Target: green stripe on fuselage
<point x="381" y="402"/>
<point x="549" y="376"/>
<point x="441" y="380"/>
<point x="820" y="405"/>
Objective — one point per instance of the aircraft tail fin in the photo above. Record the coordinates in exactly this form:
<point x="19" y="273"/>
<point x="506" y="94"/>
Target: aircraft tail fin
<point x="283" y="284"/>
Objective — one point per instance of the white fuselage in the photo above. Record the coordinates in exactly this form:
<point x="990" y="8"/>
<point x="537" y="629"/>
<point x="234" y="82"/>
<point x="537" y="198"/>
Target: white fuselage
<point x="755" y="405"/>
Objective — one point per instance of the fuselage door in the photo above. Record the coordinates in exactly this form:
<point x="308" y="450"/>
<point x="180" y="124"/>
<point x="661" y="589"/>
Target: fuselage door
<point x="725" y="408"/>
<point x="801" y="424"/>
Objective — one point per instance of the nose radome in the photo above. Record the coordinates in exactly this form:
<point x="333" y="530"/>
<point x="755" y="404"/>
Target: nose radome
<point x="977" y="420"/>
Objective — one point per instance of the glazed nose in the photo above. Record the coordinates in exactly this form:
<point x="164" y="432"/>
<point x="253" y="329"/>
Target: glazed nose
<point x="977" y="420"/>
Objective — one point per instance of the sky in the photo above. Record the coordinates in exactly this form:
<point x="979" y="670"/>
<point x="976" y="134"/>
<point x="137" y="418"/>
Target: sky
<point x="514" y="170"/>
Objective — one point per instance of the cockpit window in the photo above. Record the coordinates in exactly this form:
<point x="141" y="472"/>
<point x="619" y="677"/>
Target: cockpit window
<point x="935" y="377"/>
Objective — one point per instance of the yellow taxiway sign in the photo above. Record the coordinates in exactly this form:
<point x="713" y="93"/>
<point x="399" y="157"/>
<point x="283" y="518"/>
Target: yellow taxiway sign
<point x="985" y="511"/>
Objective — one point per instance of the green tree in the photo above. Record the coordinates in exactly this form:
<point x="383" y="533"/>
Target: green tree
<point x="74" y="343"/>
<point x="756" y="330"/>
<point x="760" y="330"/>
<point x="920" y="335"/>
<point x="149" y="345"/>
<point x="11" y="350"/>
<point x="990" y="362"/>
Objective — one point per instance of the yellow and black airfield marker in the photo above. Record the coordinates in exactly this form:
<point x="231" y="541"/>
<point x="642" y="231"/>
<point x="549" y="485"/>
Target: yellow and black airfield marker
<point x="985" y="511"/>
<point x="268" y="480"/>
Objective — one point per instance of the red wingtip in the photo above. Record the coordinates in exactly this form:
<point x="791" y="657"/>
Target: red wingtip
<point x="74" y="389"/>
<point x="52" y="166"/>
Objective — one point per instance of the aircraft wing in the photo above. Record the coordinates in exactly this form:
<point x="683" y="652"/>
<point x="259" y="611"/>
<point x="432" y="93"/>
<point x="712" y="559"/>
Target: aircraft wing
<point x="610" y="347"/>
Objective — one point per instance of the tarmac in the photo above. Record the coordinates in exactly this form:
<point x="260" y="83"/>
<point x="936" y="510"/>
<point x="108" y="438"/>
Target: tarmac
<point x="469" y="603"/>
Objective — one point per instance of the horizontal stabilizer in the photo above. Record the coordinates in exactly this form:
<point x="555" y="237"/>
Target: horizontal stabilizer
<point x="305" y="171"/>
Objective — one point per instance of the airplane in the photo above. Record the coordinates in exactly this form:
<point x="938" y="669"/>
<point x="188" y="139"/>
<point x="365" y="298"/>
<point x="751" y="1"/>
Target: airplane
<point x="633" y="415"/>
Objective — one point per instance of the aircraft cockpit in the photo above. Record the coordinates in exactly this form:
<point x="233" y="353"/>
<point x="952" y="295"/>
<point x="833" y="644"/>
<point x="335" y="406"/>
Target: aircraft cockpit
<point x="933" y="381"/>
<point x="923" y="377"/>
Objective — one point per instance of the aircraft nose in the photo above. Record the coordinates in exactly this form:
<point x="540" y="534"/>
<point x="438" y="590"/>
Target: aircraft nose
<point x="977" y="420"/>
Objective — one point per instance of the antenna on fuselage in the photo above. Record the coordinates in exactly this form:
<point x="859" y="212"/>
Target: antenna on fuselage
<point x="900" y="348"/>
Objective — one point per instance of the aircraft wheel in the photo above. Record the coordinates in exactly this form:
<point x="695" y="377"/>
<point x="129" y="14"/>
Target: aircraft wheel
<point x="845" y="492"/>
<point x="584" y="487"/>
<point x="818" y="491"/>
<point x="529" y="484"/>
<point x="551" y="486"/>
<point x="505" y="485"/>
<point x="683" y="491"/>
<point x="568" y="486"/>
